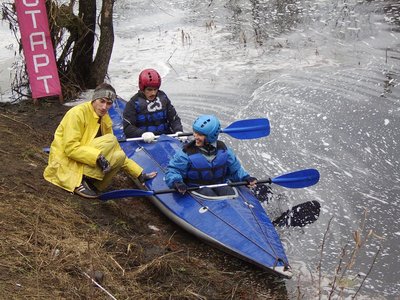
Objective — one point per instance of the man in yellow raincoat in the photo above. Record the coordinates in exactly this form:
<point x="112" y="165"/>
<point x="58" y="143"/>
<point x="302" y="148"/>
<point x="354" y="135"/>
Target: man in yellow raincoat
<point x="85" y="155"/>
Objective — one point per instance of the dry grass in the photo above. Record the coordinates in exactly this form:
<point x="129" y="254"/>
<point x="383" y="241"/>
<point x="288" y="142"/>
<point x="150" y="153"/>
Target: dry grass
<point x="53" y="243"/>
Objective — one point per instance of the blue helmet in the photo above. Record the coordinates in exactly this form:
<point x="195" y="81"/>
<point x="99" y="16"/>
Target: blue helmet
<point x="209" y="126"/>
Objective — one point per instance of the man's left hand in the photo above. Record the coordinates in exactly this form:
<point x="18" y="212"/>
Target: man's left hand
<point x="182" y="138"/>
<point x="103" y="164"/>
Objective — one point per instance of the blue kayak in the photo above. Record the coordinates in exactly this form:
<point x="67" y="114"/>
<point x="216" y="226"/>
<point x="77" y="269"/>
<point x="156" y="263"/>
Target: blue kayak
<point x="235" y="224"/>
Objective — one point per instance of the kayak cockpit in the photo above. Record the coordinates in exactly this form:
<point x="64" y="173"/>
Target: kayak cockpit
<point x="230" y="193"/>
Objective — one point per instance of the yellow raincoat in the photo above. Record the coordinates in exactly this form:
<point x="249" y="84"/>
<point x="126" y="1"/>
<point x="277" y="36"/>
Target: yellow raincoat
<point x="73" y="151"/>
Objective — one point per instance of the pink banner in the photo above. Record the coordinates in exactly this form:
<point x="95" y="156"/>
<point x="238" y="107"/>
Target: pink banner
<point x="38" y="49"/>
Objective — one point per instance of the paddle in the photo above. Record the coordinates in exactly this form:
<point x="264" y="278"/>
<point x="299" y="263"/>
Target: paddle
<point x="242" y="129"/>
<point x="299" y="215"/>
<point x="297" y="179"/>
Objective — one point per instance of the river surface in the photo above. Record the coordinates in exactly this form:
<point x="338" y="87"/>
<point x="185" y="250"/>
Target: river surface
<point x="326" y="73"/>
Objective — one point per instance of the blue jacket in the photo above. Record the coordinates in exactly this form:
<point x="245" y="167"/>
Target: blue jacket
<point x="179" y="166"/>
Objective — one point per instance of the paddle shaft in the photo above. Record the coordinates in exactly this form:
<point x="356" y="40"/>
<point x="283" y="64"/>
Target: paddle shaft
<point x="297" y="179"/>
<point x="241" y="129"/>
<point x="195" y="188"/>
<point x="157" y="136"/>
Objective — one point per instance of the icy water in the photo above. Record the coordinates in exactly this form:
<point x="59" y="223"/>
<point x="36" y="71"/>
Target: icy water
<point x="326" y="73"/>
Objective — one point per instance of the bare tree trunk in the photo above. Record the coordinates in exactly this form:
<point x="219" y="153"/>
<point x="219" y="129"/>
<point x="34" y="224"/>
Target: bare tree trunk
<point x="82" y="56"/>
<point x="106" y="43"/>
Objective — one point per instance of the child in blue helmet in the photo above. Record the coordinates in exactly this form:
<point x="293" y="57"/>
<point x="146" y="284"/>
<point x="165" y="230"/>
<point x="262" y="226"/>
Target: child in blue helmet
<point x="205" y="161"/>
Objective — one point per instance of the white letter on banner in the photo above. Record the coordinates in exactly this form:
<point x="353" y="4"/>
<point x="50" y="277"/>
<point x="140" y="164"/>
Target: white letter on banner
<point x="32" y="13"/>
<point x="40" y="41"/>
<point x="35" y="3"/>
<point x="44" y="78"/>
<point x="36" y="64"/>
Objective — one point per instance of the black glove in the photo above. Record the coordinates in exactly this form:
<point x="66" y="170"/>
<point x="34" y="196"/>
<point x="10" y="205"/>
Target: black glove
<point x="180" y="187"/>
<point x="250" y="179"/>
<point x="103" y="164"/>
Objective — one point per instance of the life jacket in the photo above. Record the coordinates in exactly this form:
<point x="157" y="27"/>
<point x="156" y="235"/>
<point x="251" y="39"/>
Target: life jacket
<point x="203" y="172"/>
<point x="152" y="116"/>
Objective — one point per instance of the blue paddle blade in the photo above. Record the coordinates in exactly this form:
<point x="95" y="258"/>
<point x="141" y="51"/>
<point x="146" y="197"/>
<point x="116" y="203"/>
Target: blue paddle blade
<point x="124" y="193"/>
<point x="298" y="179"/>
<point x="248" y="129"/>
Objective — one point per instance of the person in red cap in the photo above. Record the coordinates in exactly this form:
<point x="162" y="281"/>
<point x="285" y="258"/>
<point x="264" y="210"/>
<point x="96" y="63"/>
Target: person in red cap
<point x="150" y="112"/>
